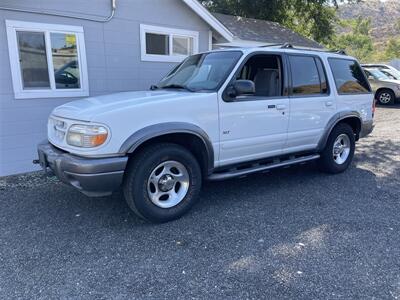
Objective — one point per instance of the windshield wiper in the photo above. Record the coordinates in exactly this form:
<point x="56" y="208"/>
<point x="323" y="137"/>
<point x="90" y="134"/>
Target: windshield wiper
<point x="177" y="86"/>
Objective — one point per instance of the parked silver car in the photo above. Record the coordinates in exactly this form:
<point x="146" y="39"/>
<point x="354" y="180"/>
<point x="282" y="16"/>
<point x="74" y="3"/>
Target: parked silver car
<point x="384" y="69"/>
<point x="386" y="90"/>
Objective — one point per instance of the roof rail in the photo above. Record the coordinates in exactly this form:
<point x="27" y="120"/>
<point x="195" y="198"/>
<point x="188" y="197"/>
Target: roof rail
<point x="290" y="46"/>
<point x="287" y="46"/>
<point x="271" y="45"/>
<point x="340" y="52"/>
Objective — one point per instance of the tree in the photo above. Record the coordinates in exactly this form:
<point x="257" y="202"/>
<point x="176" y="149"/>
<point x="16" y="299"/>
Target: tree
<point x="393" y="49"/>
<point x="397" y="25"/>
<point x="357" y="45"/>
<point x="358" y="42"/>
<point x="315" y="19"/>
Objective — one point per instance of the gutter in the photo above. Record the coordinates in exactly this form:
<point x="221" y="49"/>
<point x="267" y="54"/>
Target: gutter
<point x="113" y="6"/>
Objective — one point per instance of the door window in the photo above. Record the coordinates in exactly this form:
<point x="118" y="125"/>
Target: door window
<point x="266" y="73"/>
<point x="308" y="76"/>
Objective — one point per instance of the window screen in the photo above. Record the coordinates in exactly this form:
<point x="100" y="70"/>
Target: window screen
<point x="157" y="44"/>
<point x="33" y="60"/>
<point x="349" y="77"/>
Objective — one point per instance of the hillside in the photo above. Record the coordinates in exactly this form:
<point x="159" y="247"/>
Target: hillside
<point x="384" y="15"/>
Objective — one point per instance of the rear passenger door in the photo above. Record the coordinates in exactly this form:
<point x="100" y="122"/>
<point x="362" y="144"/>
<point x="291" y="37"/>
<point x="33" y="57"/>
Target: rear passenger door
<point x="311" y="102"/>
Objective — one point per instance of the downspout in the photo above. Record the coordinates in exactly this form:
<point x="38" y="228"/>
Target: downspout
<point x="66" y="15"/>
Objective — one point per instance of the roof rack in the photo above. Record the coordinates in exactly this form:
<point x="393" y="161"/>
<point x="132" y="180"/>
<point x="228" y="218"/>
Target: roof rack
<point x="287" y="46"/>
<point x="283" y="45"/>
<point x="271" y="45"/>
<point x="290" y="46"/>
<point x="339" y="52"/>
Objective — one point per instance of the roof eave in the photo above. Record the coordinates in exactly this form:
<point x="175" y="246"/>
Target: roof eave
<point x="203" y="13"/>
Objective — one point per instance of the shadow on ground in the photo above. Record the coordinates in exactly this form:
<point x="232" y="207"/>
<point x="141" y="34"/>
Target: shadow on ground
<point x="279" y="234"/>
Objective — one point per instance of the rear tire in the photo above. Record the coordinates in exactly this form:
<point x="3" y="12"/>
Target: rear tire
<point x="339" y="150"/>
<point x="162" y="182"/>
<point x="385" y="97"/>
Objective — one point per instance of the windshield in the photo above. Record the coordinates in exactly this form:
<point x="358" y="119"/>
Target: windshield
<point x="391" y="74"/>
<point x="378" y="74"/>
<point x="202" y="72"/>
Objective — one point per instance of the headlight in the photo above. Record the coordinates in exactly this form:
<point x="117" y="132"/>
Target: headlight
<point x="87" y="136"/>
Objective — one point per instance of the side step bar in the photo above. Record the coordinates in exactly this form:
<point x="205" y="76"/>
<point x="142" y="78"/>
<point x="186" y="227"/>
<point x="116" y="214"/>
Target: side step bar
<point x="261" y="167"/>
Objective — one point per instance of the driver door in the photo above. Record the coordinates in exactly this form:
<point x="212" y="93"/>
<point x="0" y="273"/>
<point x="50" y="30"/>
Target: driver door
<point x="255" y="126"/>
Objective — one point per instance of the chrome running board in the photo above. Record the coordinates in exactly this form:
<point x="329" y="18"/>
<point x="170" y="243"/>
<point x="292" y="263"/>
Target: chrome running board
<point x="260" y="167"/>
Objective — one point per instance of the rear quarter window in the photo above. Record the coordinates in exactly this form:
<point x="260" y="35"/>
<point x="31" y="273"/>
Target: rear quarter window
<point x="349" y="77"/>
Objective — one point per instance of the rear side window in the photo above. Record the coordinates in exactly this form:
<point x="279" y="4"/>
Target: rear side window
<point x="308" y="76"/>
<point x="349" y="77"/>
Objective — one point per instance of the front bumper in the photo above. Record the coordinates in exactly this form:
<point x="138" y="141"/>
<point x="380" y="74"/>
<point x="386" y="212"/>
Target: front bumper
<point x="92" y="176"/>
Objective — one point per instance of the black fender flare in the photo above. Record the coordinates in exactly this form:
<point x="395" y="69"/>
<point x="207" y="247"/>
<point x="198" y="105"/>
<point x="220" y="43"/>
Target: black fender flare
<point x="156" y="130"/>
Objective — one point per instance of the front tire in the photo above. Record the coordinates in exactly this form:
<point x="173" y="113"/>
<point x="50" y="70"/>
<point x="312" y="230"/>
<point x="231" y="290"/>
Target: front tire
<point x="385" y="97"/>
<point x="162" y="182"/>
<point x="339" y="150"/>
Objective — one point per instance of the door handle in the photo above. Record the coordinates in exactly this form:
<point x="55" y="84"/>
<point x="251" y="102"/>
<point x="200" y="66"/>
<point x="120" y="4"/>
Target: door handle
<point x="280" y="106"/>
<point x="328" y="103"/>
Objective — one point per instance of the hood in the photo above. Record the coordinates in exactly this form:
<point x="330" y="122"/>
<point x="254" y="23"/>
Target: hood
<point x="88" y="108"/>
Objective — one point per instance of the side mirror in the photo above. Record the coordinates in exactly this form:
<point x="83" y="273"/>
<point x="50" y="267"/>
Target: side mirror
<point x="241" y="87"/>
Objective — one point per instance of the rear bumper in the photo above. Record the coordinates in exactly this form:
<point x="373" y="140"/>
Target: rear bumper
<point x="397" y="94"/>
<point x="92" y="176"/>
<point x="366" y="128"/>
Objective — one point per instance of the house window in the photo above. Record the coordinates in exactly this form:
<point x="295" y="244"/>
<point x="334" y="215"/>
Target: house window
<point x="47" y="60"/>
<point x="167" y="44"/>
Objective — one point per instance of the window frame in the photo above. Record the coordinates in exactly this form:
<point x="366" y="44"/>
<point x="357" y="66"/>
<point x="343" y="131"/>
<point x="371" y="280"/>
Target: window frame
<point x="171" y="33"/>
<point x="19" y="92"/>
<point x="334" y="79"/>
<point x="315" y="57"/>
<point x="285" y="81"/>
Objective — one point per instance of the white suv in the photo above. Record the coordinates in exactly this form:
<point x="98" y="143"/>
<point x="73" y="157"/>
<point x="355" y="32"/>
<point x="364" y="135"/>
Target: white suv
<point x="217" y="115"/>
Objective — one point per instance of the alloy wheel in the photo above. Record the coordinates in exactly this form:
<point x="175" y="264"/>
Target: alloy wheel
<point x="341" y="149"/>
<point x="385" y="98"/>
<point x="168" y="184"/>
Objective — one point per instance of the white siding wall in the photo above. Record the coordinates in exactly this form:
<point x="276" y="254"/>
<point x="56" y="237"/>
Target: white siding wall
<point x="113" y="57"/>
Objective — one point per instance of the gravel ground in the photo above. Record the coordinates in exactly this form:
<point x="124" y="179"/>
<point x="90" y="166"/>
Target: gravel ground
<point x="291" y="233"/>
